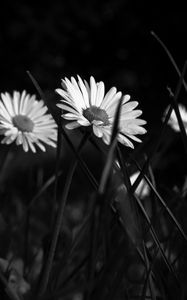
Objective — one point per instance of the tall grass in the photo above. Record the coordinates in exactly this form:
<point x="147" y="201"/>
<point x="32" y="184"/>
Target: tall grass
<point x="76" y="227"/>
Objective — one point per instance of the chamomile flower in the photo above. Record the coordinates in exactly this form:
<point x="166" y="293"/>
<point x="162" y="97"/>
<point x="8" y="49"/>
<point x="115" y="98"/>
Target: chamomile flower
<point x="173" y="121"/>
<point x="23" y="119"/>
<point x="88" y="105"/>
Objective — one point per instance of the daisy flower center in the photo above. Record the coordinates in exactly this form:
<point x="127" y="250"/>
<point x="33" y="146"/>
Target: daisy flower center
<point x="23" y="123"/>
<point x="95" y="113"/>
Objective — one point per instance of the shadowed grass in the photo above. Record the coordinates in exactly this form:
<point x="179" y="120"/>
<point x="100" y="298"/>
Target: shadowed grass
<point x="57" y="225"/>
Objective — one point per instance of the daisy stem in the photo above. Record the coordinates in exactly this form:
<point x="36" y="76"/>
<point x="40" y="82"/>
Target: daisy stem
<point x="57" y="226"/>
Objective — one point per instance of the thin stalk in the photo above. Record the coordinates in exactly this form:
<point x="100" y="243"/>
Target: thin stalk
<point x="57" y="167"/>
<point x="181" y="125"/>
<point x="156" y="240"/>
<point x="170" y="57"/>
<point x="164" y="205"/>
<point x="148" y="274"/>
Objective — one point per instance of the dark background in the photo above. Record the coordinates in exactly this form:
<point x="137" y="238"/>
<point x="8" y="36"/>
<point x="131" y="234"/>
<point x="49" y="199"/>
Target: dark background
<point x="110" y="40"/>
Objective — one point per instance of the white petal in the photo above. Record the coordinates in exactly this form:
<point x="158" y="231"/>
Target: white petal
<point x="84" y="91"/>
<point x="130" y="114"/>
<point x="126" y="98"/>
<point x="97" y="131"/>
<point x="16" y="100"/>
<point x="11" y="131"/>
<point x="112" y="106"/>
<point x="70" y="116"/>
<point x="25" y="144"/>
<point x="93" y="90"/>
<point x="131" y="128"/>
<point x="32" y="147"/>
<point x="123" y="140"/>
<point x="7" y="100"/>
<point x="84" y="122"/>
<point x="107" y="99"/>
<point x="41" y="146"/>
<point x="8" y="139"/>
<point x="25" y="104"/>
<point x="133" y="138"/>
<point x="100" y="93"/>
<point x="129" y="106"/>
<point x="68" y="108"/>
<point x="75" y="94"/>
<point x="72" y="125"/>
<point x="19" y="139"/>
<point x="4" y="112"/>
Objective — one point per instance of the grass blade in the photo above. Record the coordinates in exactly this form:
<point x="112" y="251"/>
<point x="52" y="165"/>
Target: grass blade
<point x="113" y="143"/>
<point x="48" y="264"/>
<point x="170" y="57"/>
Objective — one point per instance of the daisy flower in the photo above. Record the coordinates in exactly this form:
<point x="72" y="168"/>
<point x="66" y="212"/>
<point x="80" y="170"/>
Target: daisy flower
<point x="87" y="104"/>
<point x="24" y="120"/>
<point x="173" y="121"/>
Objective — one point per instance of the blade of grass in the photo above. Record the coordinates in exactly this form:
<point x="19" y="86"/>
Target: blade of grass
<point x="134" y="227"/>
<point x="49" y="182"/>
<point x="161" y="200"/>
<point x="156" y="240"/>
<point x="169" y="56"/>
<point x="148" y="221"/>
<point x="128" y="207"/>
<point x="148" y="274"/>
<point x="113" y="143"/>
<point x="178" y="115"/>
<point x="57" y="226"/>
<point x="57" y="167"/>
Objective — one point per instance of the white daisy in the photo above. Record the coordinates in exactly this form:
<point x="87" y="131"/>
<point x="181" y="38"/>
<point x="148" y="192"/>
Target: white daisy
<point x="88" y="105"/>
<point x="24" y="120"/>
<point x="173" y="121"/>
